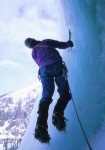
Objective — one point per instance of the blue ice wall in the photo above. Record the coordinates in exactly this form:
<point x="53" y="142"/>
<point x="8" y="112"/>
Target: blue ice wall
<point x="86" y="77"/>
<point x="85" y="18"/>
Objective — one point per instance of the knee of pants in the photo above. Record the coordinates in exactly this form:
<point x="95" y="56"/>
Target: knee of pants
<point x="48" y="91"/>
<point x="66" y="96"/>
<point x="46" y="100"/>
<point x="47" y="95"/>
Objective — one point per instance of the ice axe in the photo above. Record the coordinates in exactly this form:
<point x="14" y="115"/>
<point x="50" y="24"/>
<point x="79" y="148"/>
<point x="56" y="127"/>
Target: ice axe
<point x="69" y="34"/>
<point x="70" y="37"/>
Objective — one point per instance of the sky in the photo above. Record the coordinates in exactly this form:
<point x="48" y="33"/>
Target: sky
<point x="19" y="20"/>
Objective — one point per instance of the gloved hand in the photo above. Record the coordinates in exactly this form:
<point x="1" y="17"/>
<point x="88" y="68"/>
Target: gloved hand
<point x="70" y="43"/>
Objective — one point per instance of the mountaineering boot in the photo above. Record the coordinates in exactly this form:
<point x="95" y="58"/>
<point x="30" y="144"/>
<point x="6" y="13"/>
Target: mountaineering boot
<point x="58" y="119"/>
<point x="41" y="134"/>
<point x="41" y="129"/>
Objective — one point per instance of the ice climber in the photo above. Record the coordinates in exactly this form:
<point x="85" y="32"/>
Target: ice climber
<point x="52" y="70"/>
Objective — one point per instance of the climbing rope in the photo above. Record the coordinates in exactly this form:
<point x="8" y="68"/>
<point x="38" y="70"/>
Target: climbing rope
<point x="81" y="125"/>
<point x="77" y="112"/>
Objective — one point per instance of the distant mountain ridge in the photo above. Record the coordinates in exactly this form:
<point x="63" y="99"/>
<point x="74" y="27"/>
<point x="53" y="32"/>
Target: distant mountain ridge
<point x="15" y="111"/>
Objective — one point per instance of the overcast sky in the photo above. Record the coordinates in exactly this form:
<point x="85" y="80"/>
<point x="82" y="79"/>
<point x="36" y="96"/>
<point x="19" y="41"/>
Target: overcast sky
<point x="19" y="20"/>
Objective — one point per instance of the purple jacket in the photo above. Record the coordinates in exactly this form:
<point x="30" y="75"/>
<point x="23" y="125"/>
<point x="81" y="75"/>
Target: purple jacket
<point x="45" y="53"/>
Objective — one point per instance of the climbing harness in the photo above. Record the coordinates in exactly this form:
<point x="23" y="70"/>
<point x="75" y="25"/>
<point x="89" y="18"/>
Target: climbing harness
<point x="63" y="73"/>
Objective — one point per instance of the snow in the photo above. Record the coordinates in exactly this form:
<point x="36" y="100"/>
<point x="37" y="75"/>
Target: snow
<point x="23" y="92"/>
<point x="15" y="110"/>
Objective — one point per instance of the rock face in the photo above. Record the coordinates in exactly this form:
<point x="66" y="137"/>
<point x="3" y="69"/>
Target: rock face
<point x="15" y="111"/>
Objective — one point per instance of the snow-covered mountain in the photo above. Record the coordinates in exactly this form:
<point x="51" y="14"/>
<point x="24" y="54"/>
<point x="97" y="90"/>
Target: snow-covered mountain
<point x="15" y="111"/>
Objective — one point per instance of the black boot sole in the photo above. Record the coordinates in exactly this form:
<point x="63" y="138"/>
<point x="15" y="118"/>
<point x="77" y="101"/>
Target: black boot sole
<point x="43" y="137"/>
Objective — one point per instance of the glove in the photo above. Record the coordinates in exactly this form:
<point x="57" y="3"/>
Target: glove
<point x="70" y="43"/>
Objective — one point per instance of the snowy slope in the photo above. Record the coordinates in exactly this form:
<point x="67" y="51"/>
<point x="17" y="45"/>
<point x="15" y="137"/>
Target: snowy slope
<point x="15" y="110"/>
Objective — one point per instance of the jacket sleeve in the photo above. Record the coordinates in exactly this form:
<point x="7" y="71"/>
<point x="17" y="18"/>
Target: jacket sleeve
<point x="55" y="44"/>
